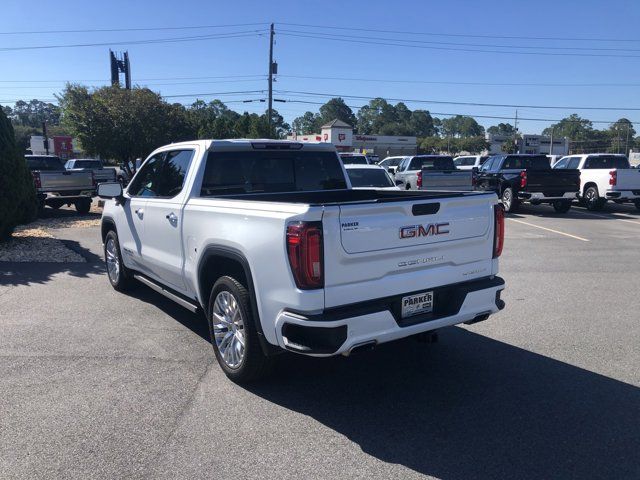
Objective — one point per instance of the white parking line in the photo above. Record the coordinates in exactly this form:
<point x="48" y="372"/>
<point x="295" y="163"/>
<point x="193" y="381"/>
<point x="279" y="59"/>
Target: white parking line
<point x="549" y="230"/>
<point x="613" y="215"/>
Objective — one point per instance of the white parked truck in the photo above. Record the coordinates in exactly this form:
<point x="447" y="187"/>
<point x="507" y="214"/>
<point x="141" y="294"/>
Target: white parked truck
<point x="604" y="176"/>
<point x="269" y="239"/>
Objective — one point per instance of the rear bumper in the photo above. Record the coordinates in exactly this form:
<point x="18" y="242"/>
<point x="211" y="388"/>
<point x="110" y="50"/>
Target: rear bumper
<point x="541" y="197"/>
<point x="338" y="330"/>
<point x="622" y="194"/>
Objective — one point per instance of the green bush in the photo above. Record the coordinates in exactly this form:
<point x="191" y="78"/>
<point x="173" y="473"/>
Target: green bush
<point x="18" y="202"/>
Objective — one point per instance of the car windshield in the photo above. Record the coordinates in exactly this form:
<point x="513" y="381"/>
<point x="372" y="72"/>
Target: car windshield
<point x="607" y="161"/>
<point x="45" y="163"/>
<point x="521" y="162"/>
<point x="369" y="177"/>
<point x="354" y="159"/>
<point x="87" y="164"/>
<point x="465" y="162"/>
<point x="229" y="173"/>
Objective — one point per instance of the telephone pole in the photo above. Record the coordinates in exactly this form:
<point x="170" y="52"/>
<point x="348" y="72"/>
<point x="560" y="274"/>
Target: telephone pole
<point x="271" y="72"/>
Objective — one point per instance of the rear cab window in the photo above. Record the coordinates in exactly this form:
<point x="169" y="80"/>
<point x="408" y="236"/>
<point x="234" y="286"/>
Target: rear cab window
<point x="465" y="162"/>
<point x="528" y="162"/>
<point x="278" y="171"/>
<point x="52" y="164"/>
<point x="354" y="159"/>
<point x="439" y="162"/>
<point x="369" y="177"/>
<point x="606" y="161"/>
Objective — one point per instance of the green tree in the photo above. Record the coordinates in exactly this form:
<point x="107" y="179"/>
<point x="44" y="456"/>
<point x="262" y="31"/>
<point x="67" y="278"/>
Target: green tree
<point x="375" y="115"/>
<point x="421" y="124"/>
<point x="502" y="129"/>
<point x="34" y="112"/>
<point x="509" y="146"/>
<point x="307" y="123"/>
<point x="461" y="126"/>
<point x="431" y="145"/>
<point x="123" y="124"/>
<point x="17" y="193"/>
<point x="336" y="108"/>
<point x="572" y="127"/>
<point x="622" y="134"/>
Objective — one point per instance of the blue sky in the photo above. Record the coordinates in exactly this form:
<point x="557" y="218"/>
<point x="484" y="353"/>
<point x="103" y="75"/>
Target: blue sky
<point x="437" y="71"/>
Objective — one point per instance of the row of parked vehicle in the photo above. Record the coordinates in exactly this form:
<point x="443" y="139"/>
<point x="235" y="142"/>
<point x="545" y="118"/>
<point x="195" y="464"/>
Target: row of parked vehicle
<point x="592" y="179"/>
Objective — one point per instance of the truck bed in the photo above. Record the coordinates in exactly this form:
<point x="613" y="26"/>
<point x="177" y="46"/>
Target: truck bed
<point x="337" y="197"/>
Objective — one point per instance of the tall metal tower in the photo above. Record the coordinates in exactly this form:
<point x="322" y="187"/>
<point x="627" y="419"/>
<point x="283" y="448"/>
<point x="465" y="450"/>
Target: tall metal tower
<point x="120" y="65"/>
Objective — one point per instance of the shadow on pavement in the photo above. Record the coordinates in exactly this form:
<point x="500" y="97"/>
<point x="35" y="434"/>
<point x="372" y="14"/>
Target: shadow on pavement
<point x="25" y="273"/>
<point x="576" y="212"/>
<point x="469" y="407"/>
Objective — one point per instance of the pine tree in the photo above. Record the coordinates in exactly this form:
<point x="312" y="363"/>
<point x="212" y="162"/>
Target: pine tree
<point x="18" y="202"/>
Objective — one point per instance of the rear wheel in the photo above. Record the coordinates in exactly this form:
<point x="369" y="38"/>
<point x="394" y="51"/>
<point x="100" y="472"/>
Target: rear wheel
<point x="561" y="206"/>
<point x="55" y="205"/>
<point x="233" y="332"/>
<point x="592" y="199"/>
<point x="508" y="200"/>
<point x="119" y="276"/>
<point x="83" y="206"/>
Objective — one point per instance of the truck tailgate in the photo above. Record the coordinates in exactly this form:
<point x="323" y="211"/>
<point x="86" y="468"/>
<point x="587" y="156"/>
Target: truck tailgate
<point x="553" y="182"/>
<point x="378" y="250"/>
<point x="447" y="180"/>
<point x="627" y="179"/>
<point x="61" y="181"/>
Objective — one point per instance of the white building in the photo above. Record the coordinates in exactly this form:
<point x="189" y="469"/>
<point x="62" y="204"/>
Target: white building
<point x="536" y="144"/>
<point x="341" y="135"/>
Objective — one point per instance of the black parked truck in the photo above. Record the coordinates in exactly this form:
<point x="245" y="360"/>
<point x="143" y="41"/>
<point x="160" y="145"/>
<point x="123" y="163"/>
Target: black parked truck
<point x="519" y="178"/>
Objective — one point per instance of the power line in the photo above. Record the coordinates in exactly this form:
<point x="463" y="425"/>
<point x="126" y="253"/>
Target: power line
<point x="140" y="79"/>
<point x="493" y="117"/>
<point x="431" y="47"/>
<point x="145" y="29"/>
<point x="501" y="37"/>
<point x="443" y="82"/>
<point x="431" y="42"/>
<point x="248" y="33"/>
<point x="474" y="104"/>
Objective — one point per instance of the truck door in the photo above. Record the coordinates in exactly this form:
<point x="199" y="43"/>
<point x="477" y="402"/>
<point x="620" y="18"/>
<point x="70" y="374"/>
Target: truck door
<point x="163" y="250"/>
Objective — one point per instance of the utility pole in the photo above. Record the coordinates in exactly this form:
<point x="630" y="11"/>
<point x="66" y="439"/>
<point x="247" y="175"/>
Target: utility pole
<point x="46" y="139"/>
<point x="626" y="143"/>
<point x="270" y="109"/>
<point x="515" y="133"/>
<point x="551" y="141"/>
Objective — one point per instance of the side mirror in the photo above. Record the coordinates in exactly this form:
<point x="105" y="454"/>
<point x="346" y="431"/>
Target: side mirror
<point x="109" y="190"/>
<point x="399" y="182"/>
<point x="391" y="170"/>
<point x="475" y="170"/>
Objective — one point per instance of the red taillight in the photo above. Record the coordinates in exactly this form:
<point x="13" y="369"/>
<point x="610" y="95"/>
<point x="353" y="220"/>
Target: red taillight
<point x="304" y="248"/>
<point x="36" y="179"/>
<point x="419" y="181"/>
<point x="613" y="177"/>
<point x="498" y="232"/>
<point x="523" y="179"/>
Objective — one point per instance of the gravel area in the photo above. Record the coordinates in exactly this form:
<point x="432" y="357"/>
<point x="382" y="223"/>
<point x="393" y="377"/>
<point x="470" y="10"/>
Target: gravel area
<point x="35" y="242"/>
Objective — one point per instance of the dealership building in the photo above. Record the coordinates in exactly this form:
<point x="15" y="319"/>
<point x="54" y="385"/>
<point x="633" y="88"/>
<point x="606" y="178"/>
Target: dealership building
<point x="537" y="144"/>
<point x="345" y="140"/>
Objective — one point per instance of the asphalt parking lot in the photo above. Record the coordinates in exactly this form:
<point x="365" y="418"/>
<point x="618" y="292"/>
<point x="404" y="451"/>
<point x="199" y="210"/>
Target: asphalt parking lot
<point x="96" y="384"/>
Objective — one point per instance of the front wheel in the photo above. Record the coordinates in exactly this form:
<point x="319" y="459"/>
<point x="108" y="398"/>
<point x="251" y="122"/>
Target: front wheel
<point x="508" y="200"/>
<point x="561" y="206"/>
<point x="233" y="332"/>
<point x="120" y="277"/>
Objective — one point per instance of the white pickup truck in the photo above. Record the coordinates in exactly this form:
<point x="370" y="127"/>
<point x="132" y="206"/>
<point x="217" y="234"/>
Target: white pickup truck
<point x="604" y="176"/>
<point x="268" y="238"/>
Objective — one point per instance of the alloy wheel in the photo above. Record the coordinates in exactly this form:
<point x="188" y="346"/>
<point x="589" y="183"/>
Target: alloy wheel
<point x="228" y="329"/>
<point x="113" y="261"/>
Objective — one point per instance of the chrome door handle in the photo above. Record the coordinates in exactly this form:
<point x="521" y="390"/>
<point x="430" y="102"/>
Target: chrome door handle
<point x="173" y="218"/>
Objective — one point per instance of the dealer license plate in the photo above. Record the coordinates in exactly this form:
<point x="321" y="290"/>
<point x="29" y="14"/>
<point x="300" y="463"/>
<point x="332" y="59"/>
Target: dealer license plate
<point x="417" y="304"/>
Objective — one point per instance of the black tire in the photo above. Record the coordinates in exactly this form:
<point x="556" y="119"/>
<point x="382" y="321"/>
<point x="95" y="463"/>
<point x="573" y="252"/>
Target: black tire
<point x="122" y="280"/>
<point x="636" y="202"/>
<point x="83" y="206"/>
<point x="562" y="206"/>
<point x="509" y="201"/>
<point x="592" y="199"/>
<point x="254" y="364"/>
<point x="55" y="205"/>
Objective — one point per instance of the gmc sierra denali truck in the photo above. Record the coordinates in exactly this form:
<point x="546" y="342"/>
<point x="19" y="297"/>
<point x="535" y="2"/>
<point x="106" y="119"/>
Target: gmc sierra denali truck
<point x="269" y="239"/>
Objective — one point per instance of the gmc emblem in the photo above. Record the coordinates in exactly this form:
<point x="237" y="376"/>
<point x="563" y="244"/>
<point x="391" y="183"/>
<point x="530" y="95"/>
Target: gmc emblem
<point x="411" y="231"/>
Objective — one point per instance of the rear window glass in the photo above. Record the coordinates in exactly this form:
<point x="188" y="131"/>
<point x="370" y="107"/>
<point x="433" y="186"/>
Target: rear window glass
<point x="369" y="177"/>
<point x="354" y="159"/>
<point x="229" y="173"/>
<point x="521" y="162"/>
<point x="391" y="162"/>
<point x="465" y="162"/>
<point x="87" y="164"/>
<point x="432" y="163"/>
<point x="45" y="163"/>
<point x="607" y="161"/>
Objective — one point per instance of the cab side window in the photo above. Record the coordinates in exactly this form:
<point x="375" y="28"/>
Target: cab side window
<point x="147" y="181"/>
<point x="562" y="163"/>
<point x="574" y="163"/>
<point x="174" y="170"/>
